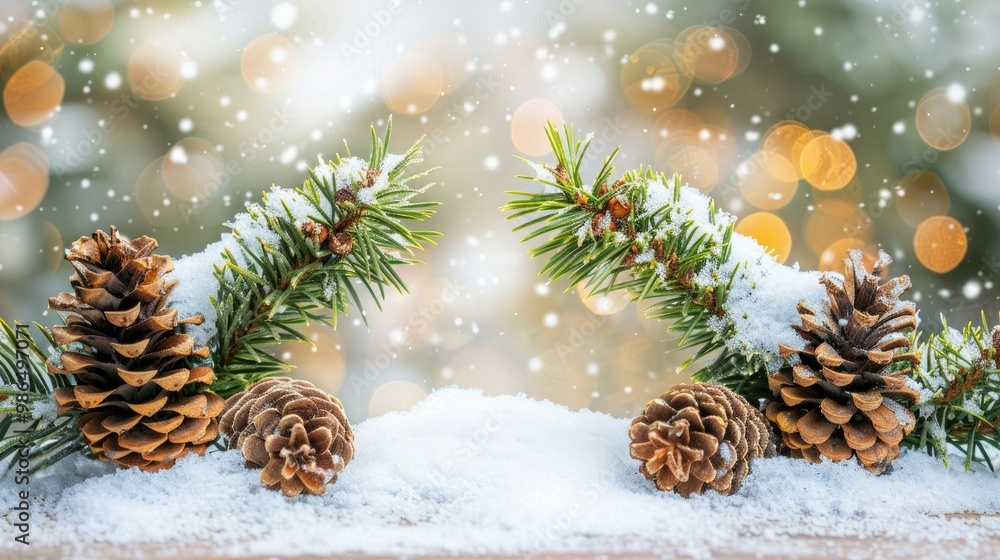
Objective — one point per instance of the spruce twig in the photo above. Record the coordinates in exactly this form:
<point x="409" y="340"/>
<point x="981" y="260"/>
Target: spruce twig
<point x="309" y="268"/>
<point x="26" y="384"/>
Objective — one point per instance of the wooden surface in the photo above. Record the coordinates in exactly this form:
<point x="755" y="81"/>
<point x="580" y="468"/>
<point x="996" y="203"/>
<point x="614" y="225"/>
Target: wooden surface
<point x="800" y="548"/>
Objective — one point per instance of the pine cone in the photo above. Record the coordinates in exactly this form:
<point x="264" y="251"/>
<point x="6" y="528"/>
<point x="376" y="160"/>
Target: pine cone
<point x="699" y="436"/>
<point x="130" y="374"/>
<point x="297" y="433"/>
<point x="848" y="395"/>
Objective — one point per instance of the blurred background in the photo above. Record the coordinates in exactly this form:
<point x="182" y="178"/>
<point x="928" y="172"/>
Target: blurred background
<point x="824" y="126"/>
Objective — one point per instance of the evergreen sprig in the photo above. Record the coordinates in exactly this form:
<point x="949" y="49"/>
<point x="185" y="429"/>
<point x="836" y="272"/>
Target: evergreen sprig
<point x="607" y="238"/>
<point x="353" y="237"/>
<point x="960" y="408"/>
<point x="26" y="385"/>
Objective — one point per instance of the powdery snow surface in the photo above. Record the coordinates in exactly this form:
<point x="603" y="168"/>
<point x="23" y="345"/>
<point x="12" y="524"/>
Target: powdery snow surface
<point x="467" y="474"/>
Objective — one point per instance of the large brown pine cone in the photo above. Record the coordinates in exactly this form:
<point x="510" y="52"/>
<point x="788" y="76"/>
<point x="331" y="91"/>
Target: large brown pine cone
<point x="297" y="433"/>
<point x="698" y="436"/>
<point x="128" y="363"/>
<point x="849" y="396"/>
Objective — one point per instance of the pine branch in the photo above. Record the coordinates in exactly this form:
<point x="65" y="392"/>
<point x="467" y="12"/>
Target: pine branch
<point x="301" y="255"/>
<point x="644" y="234"/>
<point x="670" y="247"/>
<point x="960" y="382"/>
<point x="27" y="392"/>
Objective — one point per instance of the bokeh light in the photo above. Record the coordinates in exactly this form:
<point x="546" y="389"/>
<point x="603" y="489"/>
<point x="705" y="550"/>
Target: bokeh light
<point x="712" y="54"/>
<point x="832" y="219"/>
<point x="85" y="22"/>
<point x="527" y="126"/>
<point x="828" y="163"/>
<point x="154" y="198"/>
<point x="651" y="79"/>
<point x="601" y="304"/>
<point x="920" y="195"/>
<point x="940" y="243"/>
<point x="193" y="170"/>
<point x="770" y="231"/>
<point x="24" y="179"/>
<point x="33" y="41"/>
<point x="767" y="180"/>
<point x="412" y="83"/>
<point x="782" y="139"/>
<point x="832" y="258"/>
<point x="32" y="96"/>
<point x="154" y="70"/>
<point x="270" y="63"/>
<point x="943" y="120"/>
<point x="995" y="124"/>
<point x="395" y="396"/>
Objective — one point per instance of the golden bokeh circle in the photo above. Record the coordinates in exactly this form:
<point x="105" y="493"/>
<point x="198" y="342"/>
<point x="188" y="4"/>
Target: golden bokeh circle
<point x="710" y="53"/>
<point x="834" y="219"/>
<point x="827" y="163"/>
<point x="770" y="231"/>
<point x="154" y="69"/>
<point x="672" y="122"/>
<point x="412" y="83"/>
<point x="51" y="246"/>
<point x="940" y="243"/>
<point x="942" y="122"/>
<point x="85" y="22"/>
<point x="767" y="180"/>
<point x="832" y="258"/>
<point x="651" y="80"/>
<point x="193" y="170"/>
<point x="154" y="199"/>
<point x="527" y="126"/>
<point x="921" y="195"/>
<point x="24" y="179"/>
<point x="452" y="55"/>
<point x="395" y="396"/>
<point x="33" y="94"/>
<point x="270" y="63"/>
<point x="782" y="139"/>
<point x="33" y="41"/>
<point x="697" y="166"/>
<point x="601" y="304"/>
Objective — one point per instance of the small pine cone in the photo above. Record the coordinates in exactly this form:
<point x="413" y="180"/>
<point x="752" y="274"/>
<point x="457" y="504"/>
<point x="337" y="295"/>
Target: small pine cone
<point x="315" y="231"/>
<point x="848" y="395"/>
<point x="698" y="436"/>
<point x="344" y="195"/>
<point x="297" y="433"/>
<point x="341" y="243"/>
<point x="618" y="209"/>
<point x="141" y="406"/>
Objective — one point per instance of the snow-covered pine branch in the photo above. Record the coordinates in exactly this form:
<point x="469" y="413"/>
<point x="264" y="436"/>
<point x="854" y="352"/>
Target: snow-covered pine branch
<point x="303" y="255"/>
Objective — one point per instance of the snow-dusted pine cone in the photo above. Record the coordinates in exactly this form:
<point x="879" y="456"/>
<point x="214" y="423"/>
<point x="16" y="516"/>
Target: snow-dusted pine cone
<point x="698" y="436"/>
<point x="142" y="407"/>
<point x="849" y="396"/>
<point x="292" y="430"/>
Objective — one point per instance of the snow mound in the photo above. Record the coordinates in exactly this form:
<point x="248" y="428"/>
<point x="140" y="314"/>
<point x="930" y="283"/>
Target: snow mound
<point x="466" y="474"/>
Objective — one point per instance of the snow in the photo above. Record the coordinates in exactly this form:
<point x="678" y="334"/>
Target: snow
<point x="45" y="410"/>
<point x="465" y="474"/>
<point x="761" y="304"/>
